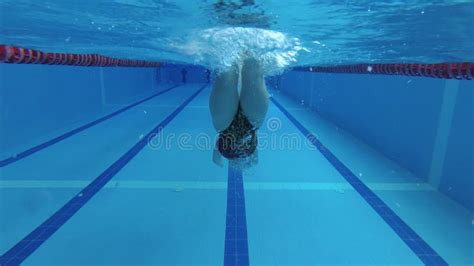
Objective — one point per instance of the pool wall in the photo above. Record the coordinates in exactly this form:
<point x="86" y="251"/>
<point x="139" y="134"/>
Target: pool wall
<point x="37" y="102"/>
<point x="424" y="124"/>
<point x="172" y="73"/>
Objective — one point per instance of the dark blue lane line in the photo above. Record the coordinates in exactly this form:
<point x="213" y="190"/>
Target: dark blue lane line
<point x="18" y="253"/>
<point x="68" y="134"/>
<point x="236" y="245"/>
<point x="424" y="251"/>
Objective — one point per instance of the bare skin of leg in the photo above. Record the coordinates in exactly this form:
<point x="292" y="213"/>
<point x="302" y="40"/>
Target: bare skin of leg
<point x="224" y="100"/>
<point x="253" y="95"/>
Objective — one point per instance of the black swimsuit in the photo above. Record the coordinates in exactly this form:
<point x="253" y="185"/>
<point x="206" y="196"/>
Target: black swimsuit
<point x="239" y="140"/>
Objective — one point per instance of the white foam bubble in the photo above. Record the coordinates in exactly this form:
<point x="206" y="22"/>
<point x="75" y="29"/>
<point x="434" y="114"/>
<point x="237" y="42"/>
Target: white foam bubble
<point x="220" y="48"/>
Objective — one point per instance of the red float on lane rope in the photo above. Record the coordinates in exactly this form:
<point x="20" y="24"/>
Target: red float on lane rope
<point x="443" y="71"/>
<point x="16" y="55"/>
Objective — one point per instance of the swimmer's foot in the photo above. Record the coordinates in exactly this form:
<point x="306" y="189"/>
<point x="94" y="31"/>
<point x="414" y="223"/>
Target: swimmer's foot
<point x="251" y="68"/>
<point x="229" y="77"/>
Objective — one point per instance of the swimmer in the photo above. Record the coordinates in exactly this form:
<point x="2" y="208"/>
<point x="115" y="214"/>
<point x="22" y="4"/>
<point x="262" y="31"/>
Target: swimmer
<point x="237" y="117"/>
<point x="230" y="13"/>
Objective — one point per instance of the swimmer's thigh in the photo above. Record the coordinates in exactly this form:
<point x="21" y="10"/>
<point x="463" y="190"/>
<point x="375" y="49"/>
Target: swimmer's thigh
<point x="254" y="95"/>
<point x="224" y="99"/>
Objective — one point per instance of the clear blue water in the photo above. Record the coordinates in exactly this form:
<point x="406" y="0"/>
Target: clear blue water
<point x="332" y="32"/>
<point x="113" y="166"/>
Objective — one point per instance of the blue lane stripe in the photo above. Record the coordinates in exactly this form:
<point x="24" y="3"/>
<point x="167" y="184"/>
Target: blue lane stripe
<point x="18" y="253"/>
<point x="68" y="134"/>
<point x="424" y="251"/>
<point x="236" y="245"/>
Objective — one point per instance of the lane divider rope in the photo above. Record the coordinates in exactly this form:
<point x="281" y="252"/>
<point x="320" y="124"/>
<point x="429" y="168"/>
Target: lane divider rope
<point x="456" y="70"/>
<point x="29" y="244"/>
<point x="419" y="246"/>
<point x="44" y="145"/>
<point x="463" y="70"/>
<point x="17" y="55"/>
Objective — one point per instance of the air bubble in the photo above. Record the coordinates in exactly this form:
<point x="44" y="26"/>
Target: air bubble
<point x="221" y="48"/>
<point x="369" y="68"/>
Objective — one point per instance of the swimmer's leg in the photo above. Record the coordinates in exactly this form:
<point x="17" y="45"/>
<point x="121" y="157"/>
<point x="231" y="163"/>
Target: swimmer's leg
<point x="224" y="99"/>
<point x="253" y="95"/>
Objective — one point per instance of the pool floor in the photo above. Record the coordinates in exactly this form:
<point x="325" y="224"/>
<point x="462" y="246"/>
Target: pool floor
<point x="169" y="204"/>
